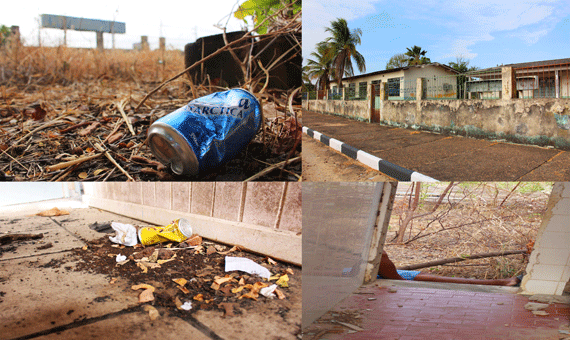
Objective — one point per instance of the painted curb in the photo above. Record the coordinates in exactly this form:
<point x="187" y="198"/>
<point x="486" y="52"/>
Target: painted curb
<point x="395" y="171"/>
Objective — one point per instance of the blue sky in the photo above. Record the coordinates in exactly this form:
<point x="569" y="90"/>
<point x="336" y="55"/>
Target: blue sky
<point x="487" y="33"/>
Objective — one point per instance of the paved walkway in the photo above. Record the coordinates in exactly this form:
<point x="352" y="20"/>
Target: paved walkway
<point x="408" y="310"/>
<point x="446" y="158"/>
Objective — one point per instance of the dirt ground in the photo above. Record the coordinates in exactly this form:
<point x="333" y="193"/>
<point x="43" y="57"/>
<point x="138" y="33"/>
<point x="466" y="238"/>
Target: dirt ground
<point x="324" y="164"/>
<point x="475" y="218"/>
<point x="68" y="285"/>
<point x="45" y="126"/>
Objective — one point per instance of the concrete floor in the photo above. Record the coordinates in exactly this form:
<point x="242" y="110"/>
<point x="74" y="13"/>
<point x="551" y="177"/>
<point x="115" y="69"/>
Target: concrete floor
<point x="42" y="297"/>
<point x="407" y="310"/>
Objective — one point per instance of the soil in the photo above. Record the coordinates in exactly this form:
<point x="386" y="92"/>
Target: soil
<point x="199" y="268"/>
<point x="324" y="164"/>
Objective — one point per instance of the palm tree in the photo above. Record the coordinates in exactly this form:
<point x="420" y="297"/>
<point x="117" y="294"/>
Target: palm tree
<point x="320" y="68"/>
<point x="417" y="56"/>
<point x="342" y="49"/>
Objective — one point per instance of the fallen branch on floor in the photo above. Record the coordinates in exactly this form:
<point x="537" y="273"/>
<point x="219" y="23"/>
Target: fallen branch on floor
<point x="5" y="239"/>
<point x="463" y="258"/>
<point x="273" y="167"/>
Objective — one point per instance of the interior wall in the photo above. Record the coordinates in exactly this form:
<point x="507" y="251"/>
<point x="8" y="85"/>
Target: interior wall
<point x="264" y="217"/>
<point x="548" y="270"/>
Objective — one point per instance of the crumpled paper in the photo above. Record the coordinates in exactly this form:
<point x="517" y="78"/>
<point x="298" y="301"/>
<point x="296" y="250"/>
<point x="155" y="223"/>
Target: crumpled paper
<point x="246" y="265"/>
<point x="125" y="234"/>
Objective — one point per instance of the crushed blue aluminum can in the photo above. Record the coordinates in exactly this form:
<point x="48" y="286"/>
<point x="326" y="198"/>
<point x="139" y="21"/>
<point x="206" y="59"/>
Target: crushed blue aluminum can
<point x="206" y="132"/>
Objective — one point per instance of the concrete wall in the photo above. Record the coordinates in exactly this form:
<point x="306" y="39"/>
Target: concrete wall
<point x="544" y="121"/>
<point x="262" y="217"/>
<point x="355" y="109"/>
<point x="548" y="270"/>
<point x="346" y="226"/>
<point x="532" y="121"/>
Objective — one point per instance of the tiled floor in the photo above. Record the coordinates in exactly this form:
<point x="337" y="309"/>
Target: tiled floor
<point x="411" y="312"/>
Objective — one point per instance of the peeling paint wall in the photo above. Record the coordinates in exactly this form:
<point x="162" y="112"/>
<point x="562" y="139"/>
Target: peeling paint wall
<point x="541" y="122"/>
<point x="354" y="109"/>
<point x="548" y="270"/>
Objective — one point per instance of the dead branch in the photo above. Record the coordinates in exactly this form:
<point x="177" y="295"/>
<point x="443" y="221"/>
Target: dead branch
<point x="273" y="167"/>
<point x="70" y="163"/>
<point x="456" y="227"/>
<point x="509" y="194"/>
<point x="463" y="258"/>
<point x="5" y="239"/>
<point x="442" y="196"/>
<point x="124" y="115"/>
<point x="226" y="47"/>
<point x="108" y="155"/>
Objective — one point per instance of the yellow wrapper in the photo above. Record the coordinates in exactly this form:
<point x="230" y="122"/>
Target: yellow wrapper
<point x="178" y="231"/>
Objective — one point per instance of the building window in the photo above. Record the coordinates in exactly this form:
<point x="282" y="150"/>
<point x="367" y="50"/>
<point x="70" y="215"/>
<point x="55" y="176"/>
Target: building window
<point x="362" y="89"/>
<point x="393" y="87"/>
<point x="351" y="90"/>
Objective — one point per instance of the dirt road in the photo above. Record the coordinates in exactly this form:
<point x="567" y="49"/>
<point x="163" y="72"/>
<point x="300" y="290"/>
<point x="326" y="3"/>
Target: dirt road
<point x="322" y="163"/>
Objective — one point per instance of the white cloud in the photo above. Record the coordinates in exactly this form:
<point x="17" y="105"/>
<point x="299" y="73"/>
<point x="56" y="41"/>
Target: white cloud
<point x="459" y="48"/>
<point x="470" y="22"/>
<point x="530" y="38"/>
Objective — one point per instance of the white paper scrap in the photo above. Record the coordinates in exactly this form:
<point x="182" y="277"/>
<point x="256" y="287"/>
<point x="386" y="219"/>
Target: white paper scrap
<point x="187" y="305"/>
<point x="121" y="258"/>
<point x="125" y="234"/>
<point x="246" y="265"/>
<point x="268" y="291"/>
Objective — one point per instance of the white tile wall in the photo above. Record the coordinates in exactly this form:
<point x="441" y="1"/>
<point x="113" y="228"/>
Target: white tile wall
<point x="541" y="287"/>
<point x="548" y="270"/>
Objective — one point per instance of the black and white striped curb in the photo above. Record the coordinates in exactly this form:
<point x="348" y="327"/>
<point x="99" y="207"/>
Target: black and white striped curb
<point x="390" y="169"/>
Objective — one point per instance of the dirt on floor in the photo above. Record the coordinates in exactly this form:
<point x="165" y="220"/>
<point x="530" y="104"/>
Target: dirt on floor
<point x="200" y="267"/>
<point x="473" y="218"/>
<point x="75" y="288"/>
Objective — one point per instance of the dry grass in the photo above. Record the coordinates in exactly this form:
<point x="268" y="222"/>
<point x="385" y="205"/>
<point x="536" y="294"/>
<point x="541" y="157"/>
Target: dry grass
<point x="488" y="226"/>
<point x="45" y="90"/>
<point x="63" y="65"/>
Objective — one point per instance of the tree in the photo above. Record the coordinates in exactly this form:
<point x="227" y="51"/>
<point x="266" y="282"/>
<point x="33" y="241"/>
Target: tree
<point x="320" y="68"/>
<point x="341" y="49"/>
<point x="397" y="61"/>
<point x="4" y="34"/>
<point x="262" y="9"/>
<point x="417" y="56"/>
<point x="462" y="65"/>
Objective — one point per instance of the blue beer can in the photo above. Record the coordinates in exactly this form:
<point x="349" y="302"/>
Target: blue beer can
<point x="206" y="132"/>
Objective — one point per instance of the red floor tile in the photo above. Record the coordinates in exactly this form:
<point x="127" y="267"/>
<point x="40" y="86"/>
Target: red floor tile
<point x="426" y="313"/>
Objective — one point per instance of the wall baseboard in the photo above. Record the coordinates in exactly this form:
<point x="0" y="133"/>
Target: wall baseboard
<point x="281" y="245"/>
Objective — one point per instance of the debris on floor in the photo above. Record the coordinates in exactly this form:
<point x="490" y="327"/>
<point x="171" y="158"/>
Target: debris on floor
<point x="52" y="212"/>
<point x="5" y="239"/>
<point x="190" y="274"/>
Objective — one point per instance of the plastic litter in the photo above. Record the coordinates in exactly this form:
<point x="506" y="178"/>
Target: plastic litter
<point x="125" y="234"/>
<point x="121" y="258"/>
<point x="246" y="265"/>
<point x="186" y="305"/>
<point x="268" y="291"/>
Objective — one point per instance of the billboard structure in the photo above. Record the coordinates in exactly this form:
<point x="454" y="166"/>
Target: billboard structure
<point x="82" y="24"/>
